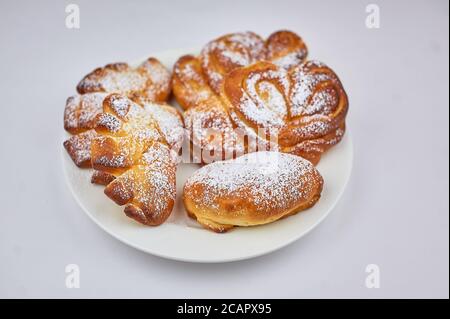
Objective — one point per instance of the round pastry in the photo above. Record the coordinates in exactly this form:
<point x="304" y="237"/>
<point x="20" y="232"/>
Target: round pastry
<point x="236" y="103"/>
<point x="254" y="189"/>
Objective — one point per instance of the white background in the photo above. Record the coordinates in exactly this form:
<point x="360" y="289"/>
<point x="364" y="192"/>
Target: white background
<point x="394" y="212"/>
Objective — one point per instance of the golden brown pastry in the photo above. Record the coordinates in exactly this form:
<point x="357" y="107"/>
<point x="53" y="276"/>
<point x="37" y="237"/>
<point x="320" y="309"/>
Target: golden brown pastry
<point x="305" y="107"/>
<point x="101" y="178"/>
<point x="150" y="81"/>
<point x="130" y="141"/>
<point x="286" y="49"/>
<point x="210" y="128"/>
<point x="221" y="56"/>
<point x="80" y="112"/>
<point x="244" y="94"/>
<point x="147" y="188"/>
<point x="79" y="119"/>
<point x="254" y="189"/>
<point x="79" y="148"/>
<point x="137" y="144"/>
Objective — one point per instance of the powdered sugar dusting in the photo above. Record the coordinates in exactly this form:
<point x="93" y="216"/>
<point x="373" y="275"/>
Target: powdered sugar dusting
<point x="307" y="97"/>
<point x="190" y="86"/>
<point x="149" y="81"/>
<point x="169" y="122"/>
<point x="108" y="121"/>
<point x="294" y="100"/>
<point x="290" y="60"/>
<point x="212" y="130"/>
<point x="128" y="136"/>
<point x="135" y="142"/>
<point x="120" y="105"/>
<point x="159" y="77"/>
<point x="271" y="109"/>
<point x="304" y="103"/>
<point x="79" y="147"/>
<point x="229" y="52"/>
<point x="250" y="41"/>
<point x="267" y="180"/>
<point x="317" y="145"/>
<point x="80" y="111"/>
<point x="148" y="187"/>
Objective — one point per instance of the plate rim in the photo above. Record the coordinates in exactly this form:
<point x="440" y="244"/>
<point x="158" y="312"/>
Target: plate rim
<point x="193" y="260"/>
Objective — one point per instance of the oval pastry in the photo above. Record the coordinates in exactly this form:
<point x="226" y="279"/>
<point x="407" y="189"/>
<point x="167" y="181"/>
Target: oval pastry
<point x="254" y="189"/>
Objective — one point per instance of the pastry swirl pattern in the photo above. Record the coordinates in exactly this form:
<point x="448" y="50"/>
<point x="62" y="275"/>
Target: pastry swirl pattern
<point x="260" y="95"/>
<point x="305" y="106"/>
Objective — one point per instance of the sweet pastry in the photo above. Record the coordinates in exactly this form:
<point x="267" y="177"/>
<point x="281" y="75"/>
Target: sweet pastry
<point x="101" y="178"/>
<point x="243" y="94"/>
<point x="254" y="108"/>
<point x="210" y="127"/>
<point x="254" y="189"/>
<point x="305" y="107"/>
<point x="135" y="144"/>
<point x="79" y="148"/>
<point x="147" y="188"/>
<point x="79" y="119"/>
<point x="80" y="112"/>
<point x="221" y="56"/>
<point x="150" y="81"/>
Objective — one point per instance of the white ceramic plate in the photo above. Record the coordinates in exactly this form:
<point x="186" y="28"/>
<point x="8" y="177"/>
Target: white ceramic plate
<point x="181" y="238"/>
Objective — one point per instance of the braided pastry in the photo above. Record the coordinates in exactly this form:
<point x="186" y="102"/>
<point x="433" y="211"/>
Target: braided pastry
<point x="243" y="94"/>
<point x="254" y="189"/>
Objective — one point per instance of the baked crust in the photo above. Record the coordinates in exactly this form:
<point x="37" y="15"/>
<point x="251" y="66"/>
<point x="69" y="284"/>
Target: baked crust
<point x="136" y="143"/>
<point x="243" y="94"/>
<point x="80" y="112"/>
<point x="210" y="128"/>
<point x="102" y="178"/>
<point x="150" y="81"/>
<point x="79" y="120"/>
<point x="79" y="148"/>
<point x="254" y="189"/>
<point x="304" y="107"/>
<point x="148" y="188"/>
